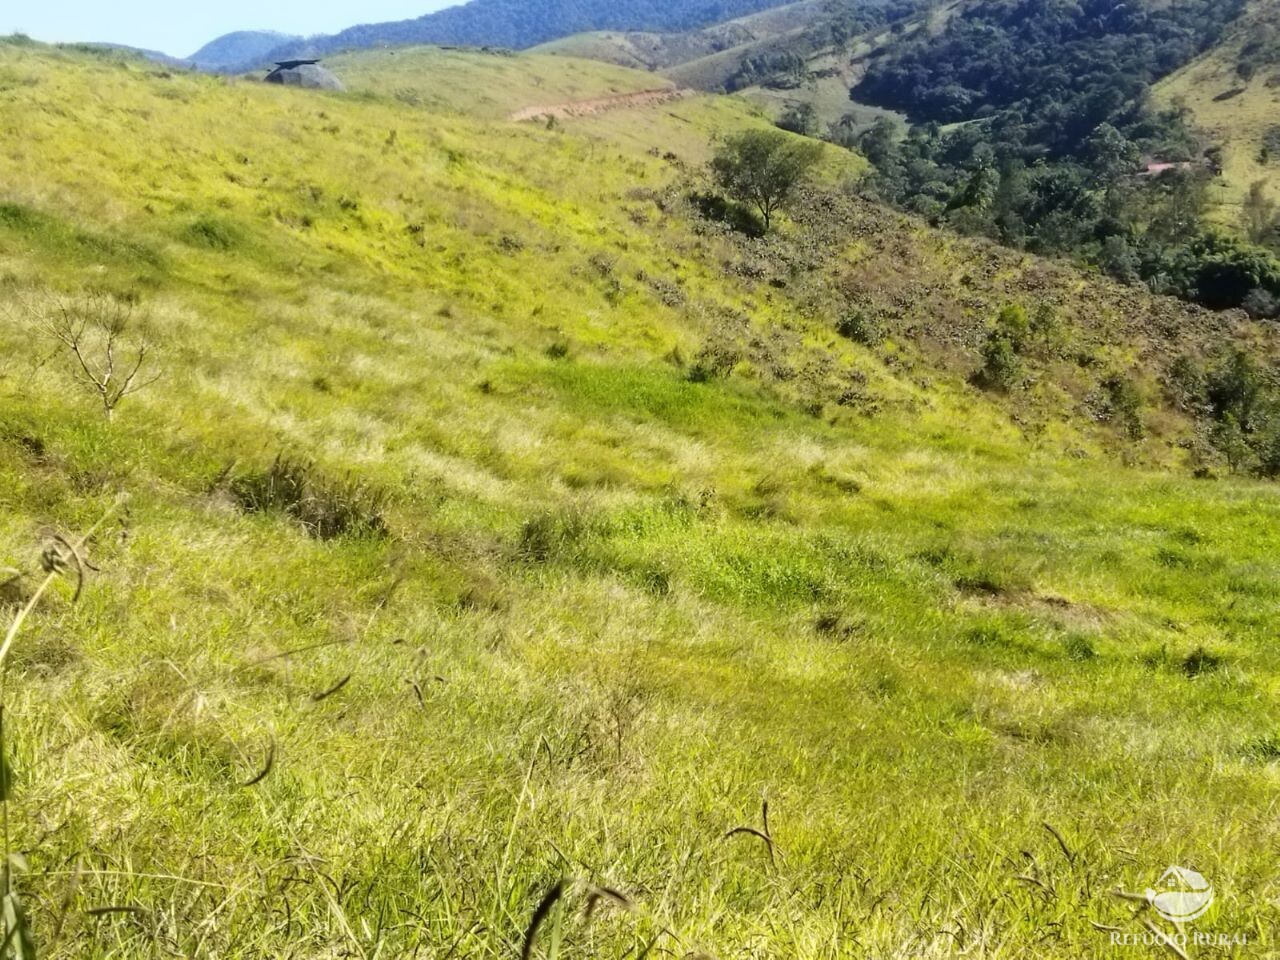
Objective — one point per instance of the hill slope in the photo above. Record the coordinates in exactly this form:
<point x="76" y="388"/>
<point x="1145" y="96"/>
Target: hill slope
<point x="1233" y="92"/>
<point x="518" y="23"/>
<point x="491" y="85"/>
<point x="595" y="522"/>
<point x="657" y="51"/>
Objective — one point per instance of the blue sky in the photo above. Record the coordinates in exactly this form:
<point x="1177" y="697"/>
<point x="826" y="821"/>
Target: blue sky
<point x="181" y="28"/>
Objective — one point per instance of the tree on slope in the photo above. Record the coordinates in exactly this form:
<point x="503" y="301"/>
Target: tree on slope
<point x="763" y="168"/>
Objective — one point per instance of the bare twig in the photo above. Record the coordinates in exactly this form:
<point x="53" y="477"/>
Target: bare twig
<point x="766" y="835"/>
<point x="539" y="915"/>
<point x="53" y="571"/>
<point x="92" y="332"/>
<point x="330" y="691"/>
<point x="1170" y="943"/>
<point x="1062" y="844"/>
<point x="296" y="650"/>
<point x="268" y="763"/>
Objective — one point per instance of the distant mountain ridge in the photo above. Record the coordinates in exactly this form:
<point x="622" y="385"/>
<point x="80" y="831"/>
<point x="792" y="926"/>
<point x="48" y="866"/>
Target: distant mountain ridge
<point x="243" y="47"/>
<point x="518" y="24"/>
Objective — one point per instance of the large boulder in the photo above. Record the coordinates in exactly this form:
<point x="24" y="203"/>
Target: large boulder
<point x="304" y="73"/>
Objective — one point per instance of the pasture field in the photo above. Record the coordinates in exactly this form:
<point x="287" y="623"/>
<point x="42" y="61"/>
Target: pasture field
<point x="445" y="561"/>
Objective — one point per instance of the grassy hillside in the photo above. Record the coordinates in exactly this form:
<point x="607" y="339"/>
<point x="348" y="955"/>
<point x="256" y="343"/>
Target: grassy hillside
<point x="1233" y="93"/>
<point x="711" y="58"/>
<point x="831" y="71"/>
<point x="496" y="85"/>
<point x="490" y="85"/>
<point x="657" y="51"/>
<point x="591" y="532"/>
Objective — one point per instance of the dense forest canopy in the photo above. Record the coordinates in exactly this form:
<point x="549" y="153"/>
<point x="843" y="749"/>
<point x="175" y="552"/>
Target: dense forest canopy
<point x="1072" y="60"/>
<point x="1033" y="125"/>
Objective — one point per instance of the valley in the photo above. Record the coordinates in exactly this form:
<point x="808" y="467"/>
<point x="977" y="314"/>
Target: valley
<point x="509" y="545"/>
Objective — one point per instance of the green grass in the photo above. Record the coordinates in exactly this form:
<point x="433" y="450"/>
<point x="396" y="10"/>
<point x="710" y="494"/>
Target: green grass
<point x="605" y="608"/>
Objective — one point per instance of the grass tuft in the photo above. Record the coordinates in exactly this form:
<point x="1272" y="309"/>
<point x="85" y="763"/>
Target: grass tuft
<point x="554" y="535"/>
<point x="1263" y="749"/>
<point x="1200" y="661"/>
<point x="212" y="234"/>
<point x="326" y="507"/>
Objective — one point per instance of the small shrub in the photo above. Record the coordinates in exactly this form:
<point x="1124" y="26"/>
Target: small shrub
<point x="327" y="508"/>
<point x="1014" y="324"/>
<point x="17" y="217"/>
<point x="1270" y="151"/>
<point x="1048" y="330"/>
<point x="857" y="327"/>
<point x="715" y="360"/>
<point x="603" y="264"/>
<point x="1235" y="388"/>
<point x="802" y="118"/>
<point x="1267" y="448"/>
<point x="980" y="584"/>
<point x="1001" y="361"/>
<point x="14" y="590"/>
<point x="1001" y="367"/>
<point x="95" y="335"/>
<point x="1079" y="648"/>
<point x="1232" y="442"/>
<point x="834" y="625"/>
<point x="1154" y="657"/>
<point x="482" y="594"/>
<point x="655" y="581"/>
<point x="667" y="291"/>
<point x="1124" y="405"/>
<point x="1184" y="385"/>
<point x="211" y="233"/>
<point x="987" y="635"/>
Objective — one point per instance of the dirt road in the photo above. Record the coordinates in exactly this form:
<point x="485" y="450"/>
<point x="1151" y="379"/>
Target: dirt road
<point x="588" y="108"/>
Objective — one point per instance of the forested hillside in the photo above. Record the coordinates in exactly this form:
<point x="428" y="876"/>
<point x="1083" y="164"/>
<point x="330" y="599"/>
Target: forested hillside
<point x="1064" y="66"/>
<point x="1233" y="93"/>
<point x="1055" y="143"/>
<point x="524" y="23"/>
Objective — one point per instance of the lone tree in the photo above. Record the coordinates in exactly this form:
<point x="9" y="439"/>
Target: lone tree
<point x="93" y="333"/>
<point x="763" y="168"/>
